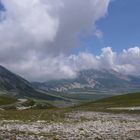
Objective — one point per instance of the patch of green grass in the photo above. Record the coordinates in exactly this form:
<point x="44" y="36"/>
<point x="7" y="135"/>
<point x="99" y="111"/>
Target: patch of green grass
<point x="58" y="114"/>
<point x="43" y="105"/>
<point x="55" y="115"/>
<point x="5" y="100"/>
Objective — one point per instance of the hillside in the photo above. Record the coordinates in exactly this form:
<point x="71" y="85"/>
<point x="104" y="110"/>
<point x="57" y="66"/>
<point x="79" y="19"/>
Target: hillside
<point x="14" y="85"/>
<point x="6" y="100"/>
<point x="120" y="101"/>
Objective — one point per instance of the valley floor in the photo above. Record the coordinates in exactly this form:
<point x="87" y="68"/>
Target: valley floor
<point x="125" y="108"/>
<point x="77" y="125"/>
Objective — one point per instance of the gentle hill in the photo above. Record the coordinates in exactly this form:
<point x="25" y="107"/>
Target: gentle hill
<point x="127" y="100"/>
<point x="131" y="99"/>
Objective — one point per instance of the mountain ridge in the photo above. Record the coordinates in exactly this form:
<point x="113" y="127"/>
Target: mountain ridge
<point x="14" y="85"/>
<point x="92" y="80"/>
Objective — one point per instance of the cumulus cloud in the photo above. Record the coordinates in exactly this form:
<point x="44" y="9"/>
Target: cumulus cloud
<point x="26" y="25"/>
<point x="47" y="27"/>
<point x="63" y="66"/>
<point x="36" y="36"/>
<point x="129" y="61"/>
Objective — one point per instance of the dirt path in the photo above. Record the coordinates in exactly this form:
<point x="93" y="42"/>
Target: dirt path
<point x="126" y="108"/>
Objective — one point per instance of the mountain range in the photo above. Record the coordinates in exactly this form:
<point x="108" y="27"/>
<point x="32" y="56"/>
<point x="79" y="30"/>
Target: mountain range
<point x="84" y="86"/>
<point x="93" y="80"/>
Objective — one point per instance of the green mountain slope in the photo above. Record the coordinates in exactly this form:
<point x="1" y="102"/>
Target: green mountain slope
<point x="127" y="100"/>
<point x="5" y="100"/>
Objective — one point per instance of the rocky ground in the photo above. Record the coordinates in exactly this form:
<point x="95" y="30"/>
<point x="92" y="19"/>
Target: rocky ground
<point x="75" y="126"/>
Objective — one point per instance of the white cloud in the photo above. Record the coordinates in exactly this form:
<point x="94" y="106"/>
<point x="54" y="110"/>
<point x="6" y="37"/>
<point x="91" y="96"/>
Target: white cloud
<point x="129" y="61"/>
<point x="27" y="21"/>
<point x="46" y="26"/>
<point x="63" y="66"/>
<point x="37" y="35"/>
<point x="107" y="57"/>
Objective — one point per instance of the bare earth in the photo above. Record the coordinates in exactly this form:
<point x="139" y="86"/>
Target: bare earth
<point x="76" y="126"/>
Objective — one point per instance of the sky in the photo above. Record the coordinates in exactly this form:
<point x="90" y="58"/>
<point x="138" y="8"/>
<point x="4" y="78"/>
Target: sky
<point x="120" y="27"/>
<point x="54" y="39"/>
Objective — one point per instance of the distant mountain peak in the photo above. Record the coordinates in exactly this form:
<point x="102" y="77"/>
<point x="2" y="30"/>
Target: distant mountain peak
<point x="92" y="79"/>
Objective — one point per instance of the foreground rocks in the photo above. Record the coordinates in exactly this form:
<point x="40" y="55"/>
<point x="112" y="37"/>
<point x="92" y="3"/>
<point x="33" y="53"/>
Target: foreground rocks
<point x="75" y="126"/>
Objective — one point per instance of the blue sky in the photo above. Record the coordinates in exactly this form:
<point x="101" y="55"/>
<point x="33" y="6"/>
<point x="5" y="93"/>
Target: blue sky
<point x="120" y="27"/>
